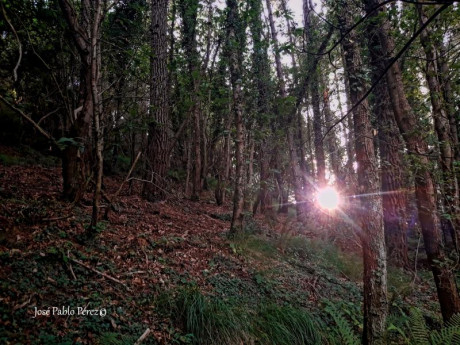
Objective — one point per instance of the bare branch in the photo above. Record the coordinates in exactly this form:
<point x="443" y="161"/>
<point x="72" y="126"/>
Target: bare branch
<point x="29" y="119"/>
<point x="18" y="63"/>
<point x="387" y="68"/>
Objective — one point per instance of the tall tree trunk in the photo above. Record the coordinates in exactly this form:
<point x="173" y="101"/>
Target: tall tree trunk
<point x="285" y="109"/>
<point x="417" y="148"/>
<point x="318" y="130"/>
<point x="393" y="189"/>
<point x="261" y="71"/>
<point x="346" y="175"/>
<point x="189" y="13"/>
<point x="248" y="194"/>
<point x="390" y="145"/>
<point x="443" y="131"/>
<point x="79" y="124"/>
<point x="350" y="134"/>
<point x="331" y="139"/>
<point x="235" y="59"/>
<point x="97" y="112"/>
<point x="370" y="219"/>
<point x="158" y="146"/>
<point x="447" y="91"/>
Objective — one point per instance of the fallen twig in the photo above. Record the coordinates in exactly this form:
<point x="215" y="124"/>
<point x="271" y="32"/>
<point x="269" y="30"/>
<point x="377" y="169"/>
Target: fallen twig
<point x="20" y="306"/>
<point x="143" y="336"/>
<point x="70" y="267"/>
<point x="99" y="272"/>
<point x="56" y="218"/>
<point x="131" y="273"/>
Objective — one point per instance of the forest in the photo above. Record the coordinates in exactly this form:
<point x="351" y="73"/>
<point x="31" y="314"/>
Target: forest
<point x="225" y="172"/>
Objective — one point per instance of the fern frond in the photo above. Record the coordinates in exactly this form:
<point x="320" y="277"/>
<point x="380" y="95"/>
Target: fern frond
<point x="343" y="327"/>
<point x="418" y="328"/>
<point x="449" y="334"/>
<point x="454" y="321"/>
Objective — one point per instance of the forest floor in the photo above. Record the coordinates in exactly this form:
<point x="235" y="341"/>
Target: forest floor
<point x="170" y="268"/>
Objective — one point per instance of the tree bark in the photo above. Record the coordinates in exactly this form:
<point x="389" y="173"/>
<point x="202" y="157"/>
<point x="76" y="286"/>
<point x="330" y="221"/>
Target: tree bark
<point x="97" y="112"/>
<point x="318" y="131"/>
<point x="79" y="122"/>
<point x="417" y="148"/>
<point x="390" y="146"/>
<point x="370" y="218"/>
<point x="158" y="145"/>
<point x="449" y="185"/>
<point x="393" y="189"/>
<point x="331" y="139"/>
<point x="261" y="71"/>
<point x="189" y="13"/>
<point x="235" y="59"/>
<point x="289" y="121"/>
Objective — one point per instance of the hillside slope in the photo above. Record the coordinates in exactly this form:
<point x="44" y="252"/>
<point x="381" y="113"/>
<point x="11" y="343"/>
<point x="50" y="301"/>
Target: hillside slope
<point x="169" y="268"/>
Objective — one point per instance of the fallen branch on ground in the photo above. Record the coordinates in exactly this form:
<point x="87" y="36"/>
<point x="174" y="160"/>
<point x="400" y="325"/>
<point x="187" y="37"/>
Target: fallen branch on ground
<point x="99" y="272"/>
<point x="143" y="336"/>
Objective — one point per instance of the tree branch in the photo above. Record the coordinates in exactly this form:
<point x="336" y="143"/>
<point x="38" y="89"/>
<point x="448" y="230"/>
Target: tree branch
<point x="29" y="119"/>
<point x="387" y="68"/>
<point x="18" y="63"/>
<point x="361" y="20"/>
<point x="78" y="33"/>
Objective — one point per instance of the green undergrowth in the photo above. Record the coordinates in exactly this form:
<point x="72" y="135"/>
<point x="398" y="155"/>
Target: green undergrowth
<point x="28" y="156"/>
<point x="211" y="320"/>
<point x="43" y="279"/>
<point x="260" y="288"/>
<point x="335" y="279"/>
<point x="197" y="318"/>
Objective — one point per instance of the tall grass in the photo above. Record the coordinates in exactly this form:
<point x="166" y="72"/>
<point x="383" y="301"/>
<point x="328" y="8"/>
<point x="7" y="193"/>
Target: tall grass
<point x="213" y="321"/>
<point x="285" y="325"/>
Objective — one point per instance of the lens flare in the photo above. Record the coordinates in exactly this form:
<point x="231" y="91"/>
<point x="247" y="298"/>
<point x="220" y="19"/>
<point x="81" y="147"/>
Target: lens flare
<point x="328" y="198"/>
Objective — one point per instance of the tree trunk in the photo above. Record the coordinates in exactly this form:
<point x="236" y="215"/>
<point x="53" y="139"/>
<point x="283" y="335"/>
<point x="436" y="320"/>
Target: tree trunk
<point x="97" y="112"/>
<point x="79" y="124"/>
<point x="370" y="218"/>
<point x="235" y="58"/>
<point x="261" y="71"/>
<point x="390" y="145"/>
<point x="345" y="176"/>
<point x="189" y="13"/>
<point x="248" y="194"/>
<point x="286" y="109"/>
<point x="417" y="148"/>
<point x="158" y="146"/>
<point x="331" y="139"/>
<point x="443" y="131"/>
<point x="318" y="131"/>
<point x="393" y="189"/>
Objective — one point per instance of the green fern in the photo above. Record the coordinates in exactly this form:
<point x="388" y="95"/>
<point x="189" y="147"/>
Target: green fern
<point x="418" y="328"/>
<point x="421" y="335"/>
<point x="343" y="329"/>
<point x="449" y="334"/>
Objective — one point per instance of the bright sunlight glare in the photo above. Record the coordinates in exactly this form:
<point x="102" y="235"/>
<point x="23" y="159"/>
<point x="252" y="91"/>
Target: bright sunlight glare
<point x="328" y="198"/>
